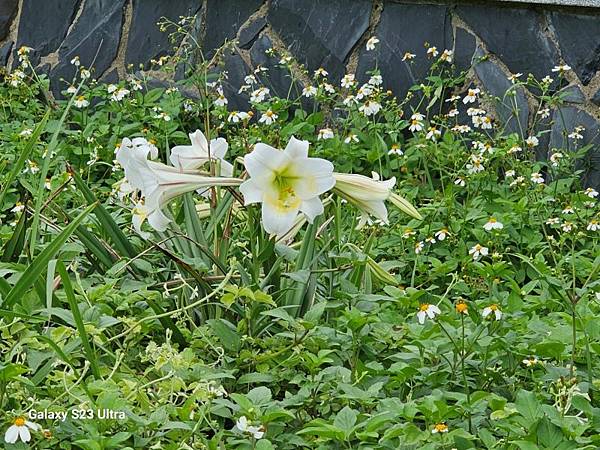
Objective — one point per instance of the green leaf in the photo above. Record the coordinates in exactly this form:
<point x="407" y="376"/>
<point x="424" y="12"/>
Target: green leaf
<point x="345" y="420"/>
<point x="85" y="340"/>
<point x="17" y="166"/>
<point x="226" y="333"/>
<point x="113" y="230"/>
<point x="39" y="264"/>
<point x="264" y="444"/>
<point x="528" y="406"/>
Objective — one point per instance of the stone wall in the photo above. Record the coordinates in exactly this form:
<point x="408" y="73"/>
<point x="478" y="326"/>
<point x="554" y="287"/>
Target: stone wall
<point x="513" y="37"/>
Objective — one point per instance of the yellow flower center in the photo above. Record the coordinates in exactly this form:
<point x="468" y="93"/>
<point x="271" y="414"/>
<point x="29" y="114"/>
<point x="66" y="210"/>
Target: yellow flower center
<point x="492" y="220"/>
<point x="441" y="427"/>
<point x="461" y="307"/>
<point x="415" y="122"/>
<point x="20" y="421"/>
<point x="424" y="307"/>
<point x="494" y="307"/>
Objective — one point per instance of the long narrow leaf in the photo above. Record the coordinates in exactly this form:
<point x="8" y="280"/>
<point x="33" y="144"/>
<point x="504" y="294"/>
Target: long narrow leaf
<point x="39" y="264"/>
<point x="85" y="341"/>
<point x="119" y="238"/>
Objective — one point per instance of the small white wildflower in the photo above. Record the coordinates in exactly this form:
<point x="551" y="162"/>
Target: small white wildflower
<point x="325" y="133"/>
<point x="493" y="224"/>
<point x="477" y="251"/>
<point x="371" y="43"/>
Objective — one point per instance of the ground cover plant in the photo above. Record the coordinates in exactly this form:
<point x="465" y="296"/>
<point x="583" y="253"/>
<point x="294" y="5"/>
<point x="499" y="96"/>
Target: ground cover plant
<point x="334" y="269"/>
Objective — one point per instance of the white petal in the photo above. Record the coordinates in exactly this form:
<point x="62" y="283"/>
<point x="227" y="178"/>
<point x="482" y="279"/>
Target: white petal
<point x="218" y="148"/>
<point x="199" y="141"/>
<point x="263" y="161"/>
<point x="24" y="434"/>
<point x="296" y="148"/>
<point x="486" y="311"/>
<point x="278" y="221"/>
<point x="158" y="220"/>
<point x="498" y="314"/>
<point x="12" y="434"/>
<point x="33" y="426"/>
<point x="430" y="312"/>
<point x="226" y="168"/>
<point x="251" y="191"/>
<point x="314" y="177"/>
<point x="421" y="316"/>
<point x="186" y="157"/>
<point x="435" y="309"/>
<point x="242" y="423"/>
<point x="312" y="208"/>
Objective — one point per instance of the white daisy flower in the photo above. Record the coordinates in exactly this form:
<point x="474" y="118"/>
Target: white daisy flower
<point x="427" y="310"/>
<point x="441" y="234"/>
<point x="532" y="141"/>
<point x="493" y="224"/>
<point x="371" y="43"/>
<point x="20" y="430"/>
<point x="309" y="91"/>
<point x="493" y="308"/>
<point x="325" y="133"/>
<point x="370" y="108"/>
<point x="348" y="80"/>
<point x="471" y="96"/>
<point x="351" y="138"/>
<point x="537" y="178"/>
<point x="477" y="251"/>
<point x="268" y="117"/>
<point x="243" y="425"/>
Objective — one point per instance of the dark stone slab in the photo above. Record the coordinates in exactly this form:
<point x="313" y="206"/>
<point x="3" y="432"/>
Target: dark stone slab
<point x="112" y="76"/>
<point x="565" y="122"/>
<point x="496" y="83"/>
<point x="5" y="53"/>
<point x="464" y="48"/>
<point x="146" y="41"/>
<point x="515" y="35"/>
<point x="579" y="39"/>
<point x="596" y="98"/>
<point x="320" y="33"/>
<point x="95" y="34"/>
<point x="223" y="20"/>
<point x="405" y="28"/>
<point x="44" y="24"/>
<point x="249" y="33"/>
<point x="277" y="78"/>
<point x="8" y="10"/>
<point x="572" y="94"/>
<point x="237" y="70"/>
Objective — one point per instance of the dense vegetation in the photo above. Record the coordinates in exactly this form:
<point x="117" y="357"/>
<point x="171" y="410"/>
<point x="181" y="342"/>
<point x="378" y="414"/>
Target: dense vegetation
<point x="200" y="317"/>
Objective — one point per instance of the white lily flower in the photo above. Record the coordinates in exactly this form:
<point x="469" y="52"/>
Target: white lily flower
<point x="158" y="182"/>
<point x="369" y="196"/>
<point x="190" y="157"/>
<point x="286" y="183"/>
<point x="20" y="429"/>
